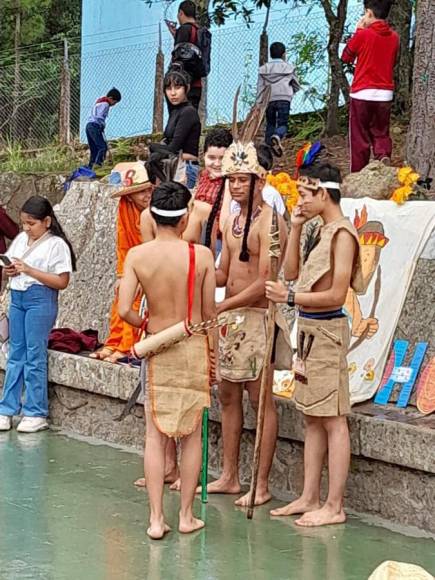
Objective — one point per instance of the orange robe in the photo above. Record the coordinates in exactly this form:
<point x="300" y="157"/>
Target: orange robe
<point x="122" y="335"/>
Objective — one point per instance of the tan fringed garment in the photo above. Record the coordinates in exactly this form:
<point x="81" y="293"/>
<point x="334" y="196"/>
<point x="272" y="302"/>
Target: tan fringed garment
<point x="179" y="386"/>
<point x="242" y="345"/>
<point x="326" y="390"/>
<point x="179" y="378"/>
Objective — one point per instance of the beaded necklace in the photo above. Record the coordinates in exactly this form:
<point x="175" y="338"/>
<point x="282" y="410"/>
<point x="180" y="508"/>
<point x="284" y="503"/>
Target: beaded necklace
<point x="237" y="230"/>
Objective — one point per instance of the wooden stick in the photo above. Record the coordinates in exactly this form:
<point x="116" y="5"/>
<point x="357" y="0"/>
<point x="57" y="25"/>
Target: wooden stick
<point x="266" y="377"/>
<point x="204" y="472"/>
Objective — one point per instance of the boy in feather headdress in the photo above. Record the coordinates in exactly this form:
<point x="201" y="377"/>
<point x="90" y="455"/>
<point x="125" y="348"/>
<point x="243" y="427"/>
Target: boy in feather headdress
<point x="243" y="270"/>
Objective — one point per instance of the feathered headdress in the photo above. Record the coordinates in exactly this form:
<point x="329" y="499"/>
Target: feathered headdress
<point x="241" y="155"/>
<point x="306" y="155"/>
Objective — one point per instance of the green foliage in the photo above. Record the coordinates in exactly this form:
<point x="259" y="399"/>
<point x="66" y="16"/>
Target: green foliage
<point x="53" y="159"/>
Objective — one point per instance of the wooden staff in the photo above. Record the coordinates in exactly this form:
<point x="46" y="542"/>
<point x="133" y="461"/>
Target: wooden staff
<point x="266" y="383"/>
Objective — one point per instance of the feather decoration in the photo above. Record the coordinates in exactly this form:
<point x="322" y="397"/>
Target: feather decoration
<point x="312" y="238"/>
<point x="307" y="155"/>
<point x="255" y="117"/>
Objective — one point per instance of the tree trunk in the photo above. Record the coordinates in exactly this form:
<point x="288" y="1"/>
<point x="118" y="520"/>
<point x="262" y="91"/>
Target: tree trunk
<point x="338" y="79"/>
<point x="421" y="134"/>
<point x="264" y="47"/>
<point x="158" y="93"/>
<point x="264" y="39"/>
<point x="400" y="19"/>
<point x="17" y="72"/>
<point x="65" y="99"/>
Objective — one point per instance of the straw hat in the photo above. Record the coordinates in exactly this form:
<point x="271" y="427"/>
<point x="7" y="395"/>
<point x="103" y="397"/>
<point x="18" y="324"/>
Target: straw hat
<point x="400" y="571"/>
<point x="133" y="176"/>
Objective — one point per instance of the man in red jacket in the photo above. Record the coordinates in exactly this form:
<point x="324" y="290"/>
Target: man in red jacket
<point x="374" y="47"/>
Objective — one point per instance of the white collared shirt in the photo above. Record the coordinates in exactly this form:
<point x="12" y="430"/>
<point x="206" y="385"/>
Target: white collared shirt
<point x="52" y="255"/>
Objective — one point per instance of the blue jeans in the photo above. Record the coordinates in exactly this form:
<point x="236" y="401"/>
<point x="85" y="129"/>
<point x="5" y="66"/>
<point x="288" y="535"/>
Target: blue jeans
<point x="32" y="315"/>
<point x="192" y="171"/>
<point x="277" y="114"/>
<point x="97" y="144"/>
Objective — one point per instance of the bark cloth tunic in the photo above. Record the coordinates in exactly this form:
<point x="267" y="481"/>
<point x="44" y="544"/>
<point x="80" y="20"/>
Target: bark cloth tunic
<point x="321" y="369"/>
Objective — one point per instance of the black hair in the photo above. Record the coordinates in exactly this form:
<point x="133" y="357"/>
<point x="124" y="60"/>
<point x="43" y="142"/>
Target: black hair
<point x="213" y="213"/>
<point x="244" y="254"/>
<point x="176" y="76"/>
<point x="189" y="8"/>
<point x="218" y="138"/>
<point x="169" y="196"/>
<point x="380" y="8"/>
<point x="277" y="50"/>
<point x="40" y="208"/>
<point x="324" y="172"/>
<point x="114" y="94"/>
<point x="264" y="156"/>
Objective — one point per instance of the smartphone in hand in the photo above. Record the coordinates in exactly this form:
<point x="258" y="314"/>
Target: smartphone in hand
<point x="5" y="261"/>
<point x="172" y="26"/>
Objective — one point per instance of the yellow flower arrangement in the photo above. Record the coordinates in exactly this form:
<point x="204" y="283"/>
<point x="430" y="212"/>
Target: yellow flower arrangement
<point x="407" y="178"/>
<point x="286" y="186"/>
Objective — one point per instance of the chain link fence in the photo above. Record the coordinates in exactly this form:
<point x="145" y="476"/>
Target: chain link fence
<point x="30" y="96"/>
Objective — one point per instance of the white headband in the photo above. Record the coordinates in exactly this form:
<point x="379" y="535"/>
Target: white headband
<point x="169" y="212"/>
<point x="329" y="185"/>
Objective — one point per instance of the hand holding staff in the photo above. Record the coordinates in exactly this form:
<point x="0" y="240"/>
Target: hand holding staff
<point x="266" y="383"/>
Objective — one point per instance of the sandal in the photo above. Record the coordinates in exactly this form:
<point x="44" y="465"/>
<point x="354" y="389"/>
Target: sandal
<point x="101" y="353"/>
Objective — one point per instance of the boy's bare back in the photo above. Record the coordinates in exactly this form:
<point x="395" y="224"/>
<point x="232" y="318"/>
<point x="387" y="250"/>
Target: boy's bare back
<point x="161" y="268"/>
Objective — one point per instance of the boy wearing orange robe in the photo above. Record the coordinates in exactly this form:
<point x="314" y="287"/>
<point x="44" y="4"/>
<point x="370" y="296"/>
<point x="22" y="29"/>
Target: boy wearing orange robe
<point x="133" y="200"/>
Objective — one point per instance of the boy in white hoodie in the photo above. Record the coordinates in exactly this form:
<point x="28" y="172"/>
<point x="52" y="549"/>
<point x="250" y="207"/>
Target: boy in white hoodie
<point x="281" y="77"/>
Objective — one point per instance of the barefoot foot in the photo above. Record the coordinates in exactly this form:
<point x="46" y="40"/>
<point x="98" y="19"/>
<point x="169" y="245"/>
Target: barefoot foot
<point x="299" y="506"/>
<point x="222" y="485"/>
<point x="158" y="529"/>
<point x="260" y="499"/>
<point x="324" y="516"/>
<point x="140" y="482"/>
<point x="189" y="525"/>
<point x="176" y="486"/>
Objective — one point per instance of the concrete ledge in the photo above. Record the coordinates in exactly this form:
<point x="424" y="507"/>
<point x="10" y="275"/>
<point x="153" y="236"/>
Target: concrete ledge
<point x="373" y="437"/>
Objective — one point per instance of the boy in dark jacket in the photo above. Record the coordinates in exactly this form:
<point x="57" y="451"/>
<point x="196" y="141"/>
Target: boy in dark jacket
<point x="281" y="77"/>
<point x="374" y="47"/>
<point x="188" y="32"/>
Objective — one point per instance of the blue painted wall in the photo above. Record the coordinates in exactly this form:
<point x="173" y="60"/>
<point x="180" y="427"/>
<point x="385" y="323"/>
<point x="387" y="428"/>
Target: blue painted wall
<point x="119" y="45"/>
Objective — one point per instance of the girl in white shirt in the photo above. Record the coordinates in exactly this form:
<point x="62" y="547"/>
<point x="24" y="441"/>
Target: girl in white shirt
<point x="42" y="261"/>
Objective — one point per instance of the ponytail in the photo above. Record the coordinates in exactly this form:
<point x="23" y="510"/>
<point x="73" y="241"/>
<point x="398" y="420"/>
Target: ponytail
<point x="244" y="254"/>
<point x="212" y="217"/>
<point x="56" y="230"/>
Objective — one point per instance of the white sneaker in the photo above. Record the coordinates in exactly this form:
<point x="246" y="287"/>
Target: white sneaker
<point x="5" y="423"/>
<point x="32" y="424"/>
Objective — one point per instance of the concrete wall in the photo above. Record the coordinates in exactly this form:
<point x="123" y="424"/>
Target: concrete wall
<point x="393" y="465"/>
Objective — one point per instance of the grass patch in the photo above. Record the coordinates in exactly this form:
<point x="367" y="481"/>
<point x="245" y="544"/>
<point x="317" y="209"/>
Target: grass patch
<point x="52" y="159"/>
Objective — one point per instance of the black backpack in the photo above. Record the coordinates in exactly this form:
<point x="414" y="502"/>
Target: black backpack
<point x="195" y="56"/>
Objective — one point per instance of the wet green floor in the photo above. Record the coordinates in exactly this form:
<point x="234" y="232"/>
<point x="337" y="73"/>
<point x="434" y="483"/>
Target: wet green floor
<point x="69" y="511"/>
